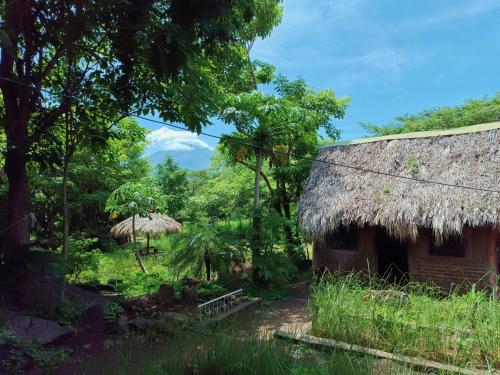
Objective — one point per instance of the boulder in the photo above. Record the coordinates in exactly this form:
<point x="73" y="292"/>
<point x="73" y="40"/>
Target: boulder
<point x="38" y="293"/>
<point x="38" y="329"/>
<point x="189" y="295"/>
<point x="139" y="325"/>
<point x="166" y="294"/>
<point x="92" y="319"/>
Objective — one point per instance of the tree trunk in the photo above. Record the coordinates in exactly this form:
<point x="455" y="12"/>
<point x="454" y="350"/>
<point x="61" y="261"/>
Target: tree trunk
<point x="137" y="254"/>
<point x="208" y="262"/>
<point x="18" y="204"/>
<point x="65" y="208"/>
<point x="18" y="110"/>
<point x="147" y="239"/>
<point x="256" y="220"/>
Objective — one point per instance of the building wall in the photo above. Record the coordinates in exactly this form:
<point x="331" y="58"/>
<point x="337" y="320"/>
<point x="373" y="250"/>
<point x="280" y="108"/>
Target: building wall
<point x="448" y="271"/>
<point x="480" y="255"/>
<point x="347" y="260"/>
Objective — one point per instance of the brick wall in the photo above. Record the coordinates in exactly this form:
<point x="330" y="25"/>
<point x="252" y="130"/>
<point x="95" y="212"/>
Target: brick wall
<point x="480" y="243"/>
<point x="347" y="260"/>
<point x="449" y="271"/>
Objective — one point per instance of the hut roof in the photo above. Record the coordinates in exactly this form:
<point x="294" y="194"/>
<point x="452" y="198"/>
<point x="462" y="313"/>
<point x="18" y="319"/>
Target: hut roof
<point x="154" y="225"/>
<point x="468" y="156"/>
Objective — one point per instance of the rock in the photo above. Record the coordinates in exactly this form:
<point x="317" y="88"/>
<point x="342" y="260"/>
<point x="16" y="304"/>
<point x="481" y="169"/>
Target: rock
<point x="38" y="293"/>
<point x="38" y="329"/>
<point x="139" y="325"/>
<point x="92" y="319"/>
<point x="122" y="324"/>
<point x="166" y="294"/>
<point x="141" y="302"/>
<point x="189" y="295"/>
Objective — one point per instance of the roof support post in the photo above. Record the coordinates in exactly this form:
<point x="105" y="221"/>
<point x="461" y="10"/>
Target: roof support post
<point x="493" y="259"/>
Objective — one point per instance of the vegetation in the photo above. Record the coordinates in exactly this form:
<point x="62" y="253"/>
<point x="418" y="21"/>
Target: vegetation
<point x="414" y="320"/>
<point x="222" y="353"/>
<point x="471" y="112"/>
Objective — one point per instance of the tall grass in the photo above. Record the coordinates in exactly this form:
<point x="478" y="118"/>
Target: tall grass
<point x="461" y="328"/>
<point x="221" y="354"/>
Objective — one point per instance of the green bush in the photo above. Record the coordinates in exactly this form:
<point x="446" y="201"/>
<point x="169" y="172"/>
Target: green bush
<point x="274" y="267"/>
<point x="137" y="283"/>
<point x="83" y="259"/>
<point x="209" y="290"/>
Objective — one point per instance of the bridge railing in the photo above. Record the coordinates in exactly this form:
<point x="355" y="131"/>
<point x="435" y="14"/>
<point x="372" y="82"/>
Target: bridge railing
<point x="219" y="305"/>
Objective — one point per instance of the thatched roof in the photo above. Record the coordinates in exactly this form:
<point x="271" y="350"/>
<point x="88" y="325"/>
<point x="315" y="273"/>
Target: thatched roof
<point x="154" y="225"/>
<point x="470" y="156"/>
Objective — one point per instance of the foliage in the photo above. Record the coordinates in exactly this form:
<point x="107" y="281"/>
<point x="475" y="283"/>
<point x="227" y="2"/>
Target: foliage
<point x="100" y="61"/>
<point x="413" y="320"/>
<point x="173" y="182"/>
<point x="209" y="290"/>
<point x="202" y="245"/>
<point x="137" y="283"/>
<point x="136" y="198"/>
<point x="46" y="357"/>
<point x="67" y="312"/>
<point x="83" y="259"/>
<point x="471" y="112"/>
<point x="113" y="313"/>
<point x="223" y="192"/>
<point x="275" y="267"/>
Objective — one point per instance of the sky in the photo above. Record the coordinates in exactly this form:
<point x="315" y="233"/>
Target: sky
<point x="391" y="57"/>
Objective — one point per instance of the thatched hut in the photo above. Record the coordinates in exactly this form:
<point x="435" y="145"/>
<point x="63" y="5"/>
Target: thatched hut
<point x="365" y="220"/>
<point x="151" y="226"/>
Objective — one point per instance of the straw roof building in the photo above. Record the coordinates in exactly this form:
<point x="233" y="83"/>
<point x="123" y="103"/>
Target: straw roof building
<point x="431" y="230"/>
<point x="151" y="226"/>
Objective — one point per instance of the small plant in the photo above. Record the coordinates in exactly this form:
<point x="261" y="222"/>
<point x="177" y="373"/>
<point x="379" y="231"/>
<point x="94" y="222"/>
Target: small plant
<point x="411" y="164"/>
<point x="66" y="312"/>
<point x="113" y="313"/>
<point x="209" y="290"/>
<point x="47" y="358"/>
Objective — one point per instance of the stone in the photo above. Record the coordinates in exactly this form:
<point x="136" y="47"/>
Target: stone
<point x="38" y="329"/>
<point x="166" y="294"/>
<point x="139" y="325"/>
<point x="189" y="295"/>
<point x="41" y="293"/>
<point x="92" y="319"/>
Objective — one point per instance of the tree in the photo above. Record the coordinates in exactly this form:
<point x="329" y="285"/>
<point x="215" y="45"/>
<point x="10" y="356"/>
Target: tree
<point x="282" y="128"/>
<point x="136" y="199"/>
<point x="169" y="56"/>
<point x="203" y="245"/>
<point x="173" y="182"/>
<point x="471" y="112"/>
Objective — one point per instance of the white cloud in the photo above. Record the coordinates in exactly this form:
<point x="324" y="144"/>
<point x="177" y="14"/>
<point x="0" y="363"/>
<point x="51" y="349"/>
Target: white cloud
<point x="175" y="140"/>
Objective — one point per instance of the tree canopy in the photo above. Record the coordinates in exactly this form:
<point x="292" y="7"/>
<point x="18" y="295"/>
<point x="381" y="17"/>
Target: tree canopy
<point x="471" y="112"/>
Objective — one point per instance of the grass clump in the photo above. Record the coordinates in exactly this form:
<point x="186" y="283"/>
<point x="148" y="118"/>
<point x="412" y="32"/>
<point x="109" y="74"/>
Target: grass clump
<point x="414" y="320"/>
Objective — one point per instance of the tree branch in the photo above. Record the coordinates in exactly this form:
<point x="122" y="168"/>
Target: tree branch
<point x="264" y="177"/>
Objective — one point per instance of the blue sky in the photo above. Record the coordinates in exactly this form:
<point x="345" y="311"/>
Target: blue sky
<point x="390" y="57"/>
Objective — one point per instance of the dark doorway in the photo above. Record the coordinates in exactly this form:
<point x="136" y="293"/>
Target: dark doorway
<point x="392" y="258"/>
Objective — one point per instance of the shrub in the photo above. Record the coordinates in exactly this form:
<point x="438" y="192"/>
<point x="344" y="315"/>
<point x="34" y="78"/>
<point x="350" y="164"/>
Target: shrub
<point x="274" y="267"/>
<point x="83" y="258"/>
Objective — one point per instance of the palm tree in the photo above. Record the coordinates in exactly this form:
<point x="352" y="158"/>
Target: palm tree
<point x="203" y="245"/>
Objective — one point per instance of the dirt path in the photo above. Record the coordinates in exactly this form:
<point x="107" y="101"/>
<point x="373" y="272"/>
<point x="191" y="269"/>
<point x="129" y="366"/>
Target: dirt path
<point x="292" y="310"/>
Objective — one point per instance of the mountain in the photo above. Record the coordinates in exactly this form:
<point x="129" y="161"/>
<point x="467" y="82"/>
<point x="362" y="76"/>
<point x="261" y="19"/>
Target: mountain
<point x="198" y="158"/>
